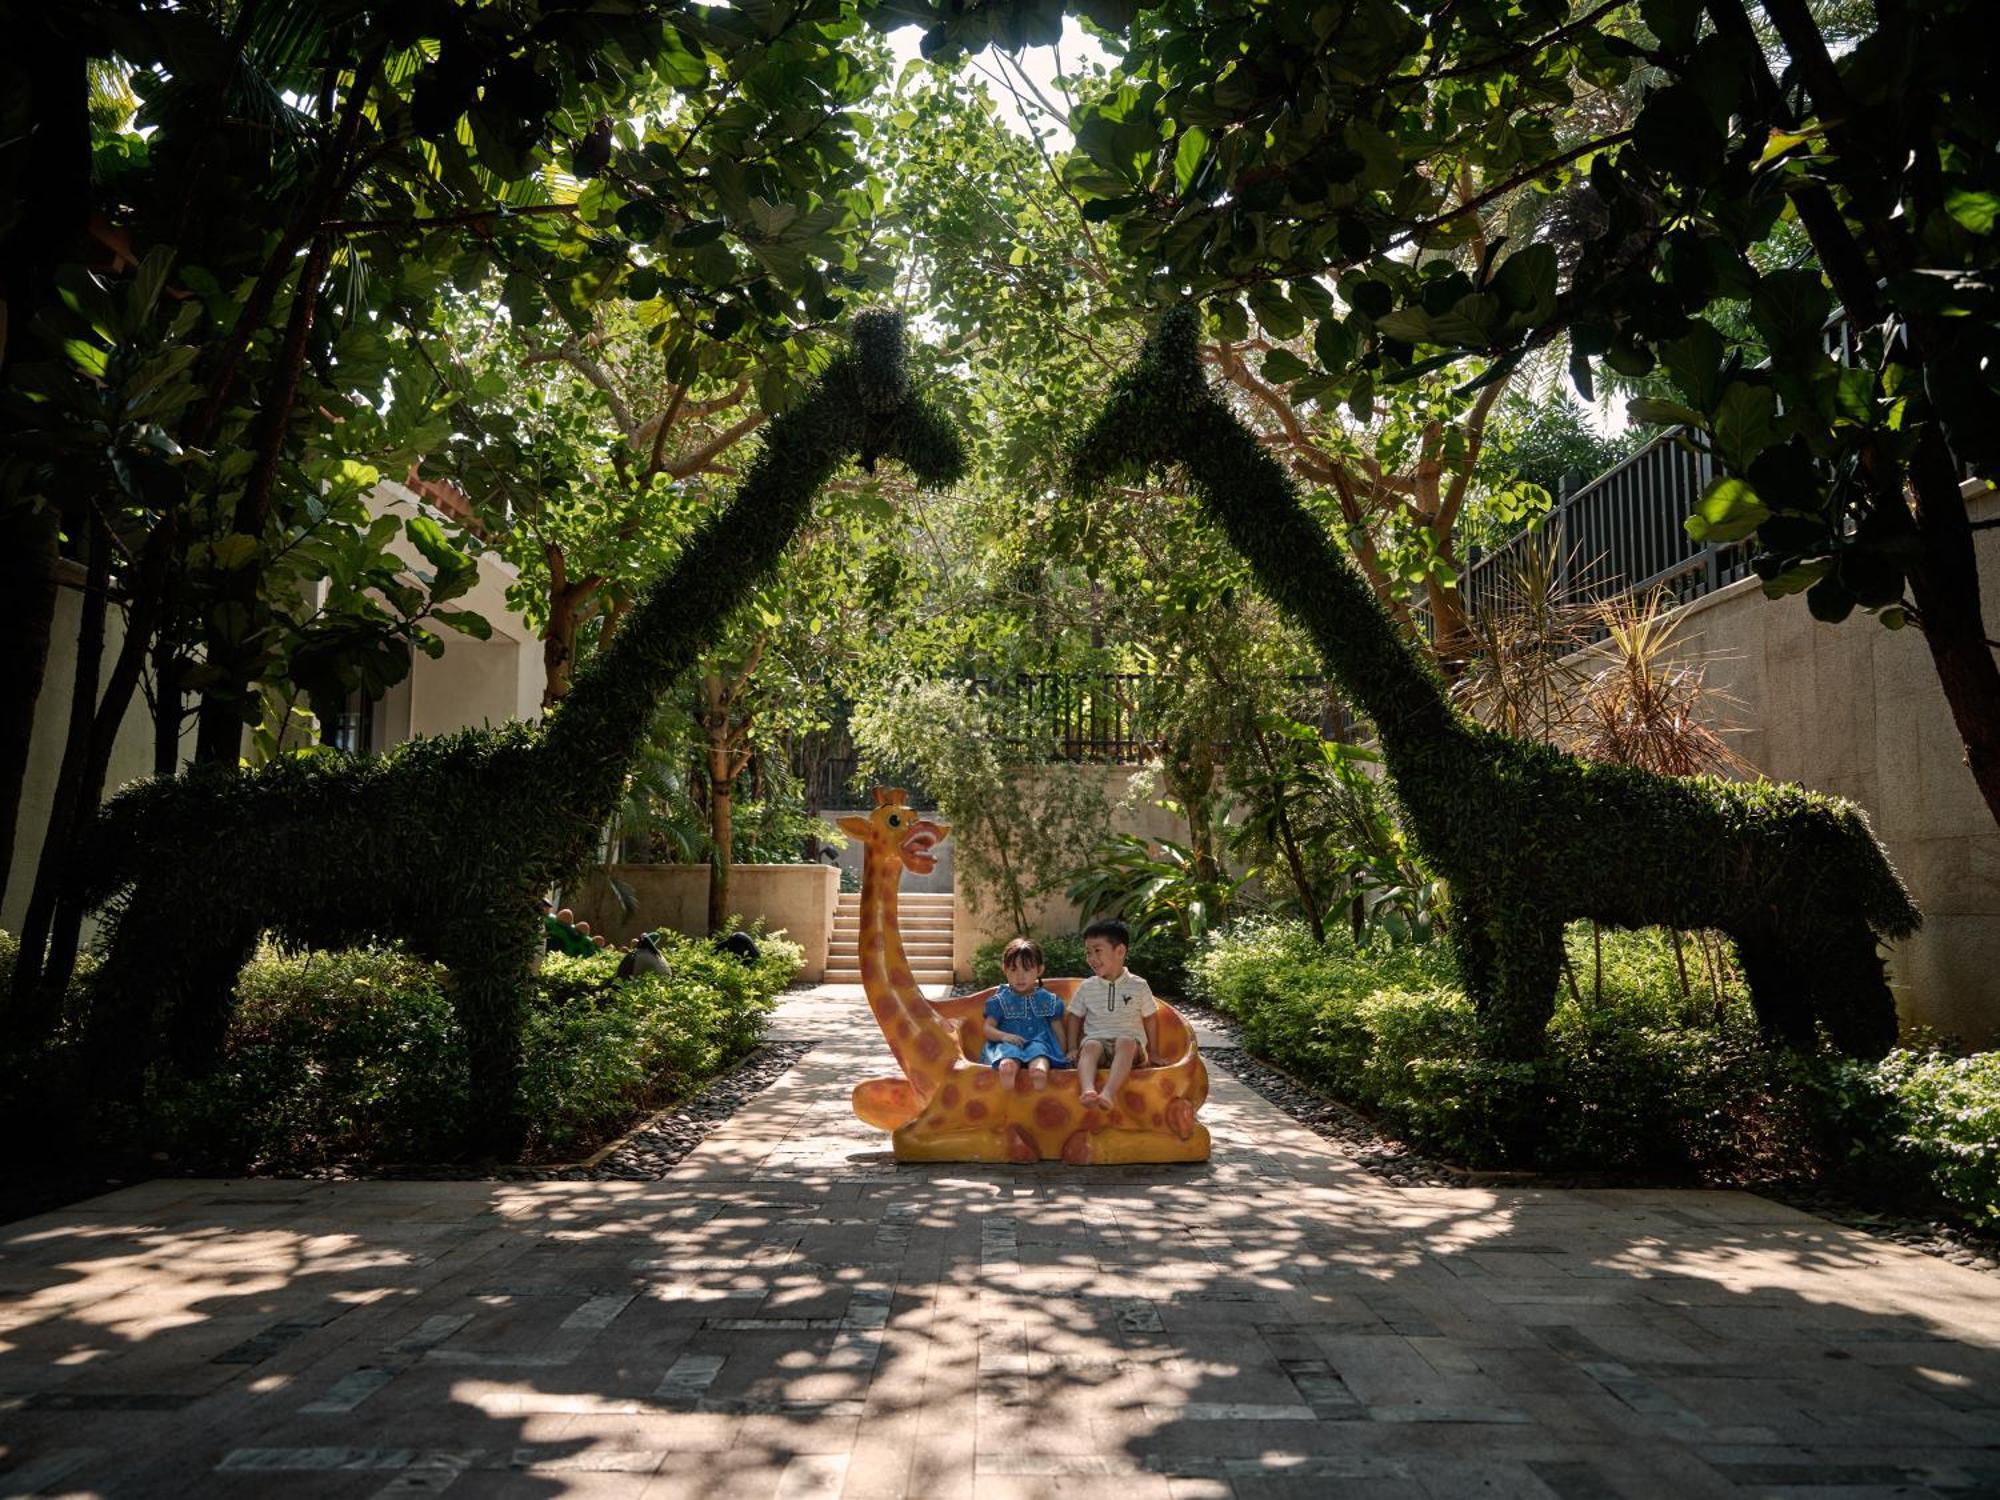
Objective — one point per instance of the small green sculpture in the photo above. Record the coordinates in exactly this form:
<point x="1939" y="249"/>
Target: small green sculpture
<point x="444" y="843"/>
<point x="1530" y="837"/>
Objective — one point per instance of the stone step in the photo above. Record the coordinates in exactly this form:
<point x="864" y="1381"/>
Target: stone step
<point x="922" y="976"/>
<point x="937" y="954"/>
<point x="852" y="926"/>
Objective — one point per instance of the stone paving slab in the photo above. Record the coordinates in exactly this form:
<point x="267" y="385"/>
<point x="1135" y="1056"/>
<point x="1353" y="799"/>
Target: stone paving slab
<point x="790" y="1313"/>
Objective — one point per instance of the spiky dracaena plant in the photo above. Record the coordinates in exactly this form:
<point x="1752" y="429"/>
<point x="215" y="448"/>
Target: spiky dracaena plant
<point x="444" y="843"/>
<point x="1531" y="837"/>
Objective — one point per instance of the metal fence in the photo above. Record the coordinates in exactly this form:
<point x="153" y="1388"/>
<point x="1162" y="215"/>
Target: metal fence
<point x="1622" y="533"/>
<point x="1093" y="717"/>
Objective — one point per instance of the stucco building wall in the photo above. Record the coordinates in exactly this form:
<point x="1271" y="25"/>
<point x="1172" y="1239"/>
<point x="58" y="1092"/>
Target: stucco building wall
<point x="797" y="900"/>
<point x="1856" y="709"/>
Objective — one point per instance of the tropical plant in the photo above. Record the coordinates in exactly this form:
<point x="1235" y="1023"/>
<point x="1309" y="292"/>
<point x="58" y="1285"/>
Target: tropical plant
<point x="1153" y="885"/>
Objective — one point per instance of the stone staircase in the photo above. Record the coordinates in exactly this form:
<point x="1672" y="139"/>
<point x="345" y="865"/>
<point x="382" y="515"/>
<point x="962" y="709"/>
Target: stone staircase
<point x="925" y="920"/>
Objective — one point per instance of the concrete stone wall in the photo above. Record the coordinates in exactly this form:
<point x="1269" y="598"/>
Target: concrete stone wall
<point x="1856" y="709"/>
<point x="131" y="752"/>
<point x="797" y="900"/>
<point x="1055" y="914"/>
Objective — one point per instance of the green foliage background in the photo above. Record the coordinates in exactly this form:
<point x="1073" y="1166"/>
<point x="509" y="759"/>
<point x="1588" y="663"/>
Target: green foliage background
<point x="1653" y="1081"/>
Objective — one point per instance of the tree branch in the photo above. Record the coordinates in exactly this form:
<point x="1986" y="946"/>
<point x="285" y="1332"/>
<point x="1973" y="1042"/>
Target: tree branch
<point x="700" y="460"/>
<point x="483" y="218"/>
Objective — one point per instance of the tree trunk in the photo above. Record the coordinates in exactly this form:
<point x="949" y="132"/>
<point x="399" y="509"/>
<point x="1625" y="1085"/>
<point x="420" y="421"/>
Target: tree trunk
<point x="61" y="825"/>
<point x="28" y="561"/>
<point x="723" y="835"/>
<point x="219" y="729"/>
<point x="1945" y="586"/>
<point x="1295" y="864"/>
<point x="66" y="931"/>
<point x="168" y="698"/>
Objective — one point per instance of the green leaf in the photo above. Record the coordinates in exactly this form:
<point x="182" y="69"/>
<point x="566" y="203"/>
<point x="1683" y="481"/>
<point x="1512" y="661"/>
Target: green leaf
<point x="1281" y="367"/>
<point x="87" y="357"/>
<point x="1677" y="23"/>
<point x="1693" y="362"/>
<point x="1652" y="411"/>
<point x="1410" y="324"/>
<point x="1361" y="398"/>
<point x="1277" y="315"/>
<point x="1333" y="344"/>
<point x="1829" y="600"/>
<point x="1729" y="511"/>
<point x="698" y="234"/>
<point x="1975" y="210"/>
<point x="1745" y="423"/>
<point x="1676" y="133"/>
<point x="234" y="551"/>
<point x="1187" y="156"/>
<point x="1789" y="308"/>
<point x="1526" y="283"/>
<point x="466" y="622"/>
<point x="428" y="538"/>
<point x="1230" y="318"/>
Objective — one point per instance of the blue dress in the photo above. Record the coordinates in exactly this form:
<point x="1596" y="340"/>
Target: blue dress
<point x="1026" y="1016"/>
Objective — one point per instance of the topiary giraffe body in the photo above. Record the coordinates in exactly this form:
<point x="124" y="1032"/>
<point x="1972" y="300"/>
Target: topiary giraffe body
<point x="1528" y="836"/>
<point x="443" y="844"/>
<point x="949" y="1107"/>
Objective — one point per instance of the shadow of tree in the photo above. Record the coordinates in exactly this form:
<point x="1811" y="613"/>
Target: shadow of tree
<point x="793" y="1313"/>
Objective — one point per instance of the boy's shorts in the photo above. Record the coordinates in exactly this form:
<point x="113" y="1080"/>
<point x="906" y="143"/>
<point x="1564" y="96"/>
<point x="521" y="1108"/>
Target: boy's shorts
<point x="1109" y="1042"/>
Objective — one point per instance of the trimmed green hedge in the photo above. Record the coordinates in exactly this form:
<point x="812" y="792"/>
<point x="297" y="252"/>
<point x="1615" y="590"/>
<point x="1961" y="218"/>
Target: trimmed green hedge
<point x="357" y="1056"/>
<point x="1649" y="1081"/>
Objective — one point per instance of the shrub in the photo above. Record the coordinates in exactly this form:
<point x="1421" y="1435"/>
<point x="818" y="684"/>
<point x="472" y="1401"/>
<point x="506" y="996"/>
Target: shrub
<point x="356" y="1055"/>
<point x="1923" y="1115"/>
<point x="1648" y="1081"/>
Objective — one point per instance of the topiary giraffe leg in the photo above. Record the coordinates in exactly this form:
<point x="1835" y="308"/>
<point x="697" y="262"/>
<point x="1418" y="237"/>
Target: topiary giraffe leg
<point x="490" y="984"/>
<point x="1851" y="991"/>
<point x="1527" y="962"/>
<point x="1777" y="989"/>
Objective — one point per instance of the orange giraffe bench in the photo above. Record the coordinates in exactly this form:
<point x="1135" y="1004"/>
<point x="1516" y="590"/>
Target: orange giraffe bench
<point x="948" y="1106"/>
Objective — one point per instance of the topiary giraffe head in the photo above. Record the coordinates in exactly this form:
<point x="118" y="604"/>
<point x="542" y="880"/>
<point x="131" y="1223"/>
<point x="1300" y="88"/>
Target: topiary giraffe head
<point x="894" y="829"/>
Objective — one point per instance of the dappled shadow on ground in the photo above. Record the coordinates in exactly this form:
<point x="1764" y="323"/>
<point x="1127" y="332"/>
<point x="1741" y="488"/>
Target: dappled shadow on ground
<point x="791" y="1312"/>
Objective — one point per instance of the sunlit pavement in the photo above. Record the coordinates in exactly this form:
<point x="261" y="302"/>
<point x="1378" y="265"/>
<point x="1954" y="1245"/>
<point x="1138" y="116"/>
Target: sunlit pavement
<point x="791" y="1314"/>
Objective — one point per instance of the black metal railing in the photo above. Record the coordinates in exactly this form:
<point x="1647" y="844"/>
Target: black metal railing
<point x="1622" y="533"/>
<point x="1625" y="533"/>
<point x="1092" y="717"/>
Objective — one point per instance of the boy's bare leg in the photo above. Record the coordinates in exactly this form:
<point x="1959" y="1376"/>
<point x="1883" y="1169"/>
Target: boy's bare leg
<point x="1007" y="1067"/>
<point x="1038" y="1072"/>
<point x="1122" y="1058"/>
<point x="1086" y="1070"/>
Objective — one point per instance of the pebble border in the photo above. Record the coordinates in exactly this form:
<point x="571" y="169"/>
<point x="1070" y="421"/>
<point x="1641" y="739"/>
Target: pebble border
<point x="1396" y="1163"/>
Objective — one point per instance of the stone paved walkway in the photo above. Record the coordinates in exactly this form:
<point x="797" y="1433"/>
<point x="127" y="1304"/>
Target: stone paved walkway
<point x="790" y="1315"/>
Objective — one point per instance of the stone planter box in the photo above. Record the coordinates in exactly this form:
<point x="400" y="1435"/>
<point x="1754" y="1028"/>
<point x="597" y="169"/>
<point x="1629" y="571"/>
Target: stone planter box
<point x="797" y="900"/>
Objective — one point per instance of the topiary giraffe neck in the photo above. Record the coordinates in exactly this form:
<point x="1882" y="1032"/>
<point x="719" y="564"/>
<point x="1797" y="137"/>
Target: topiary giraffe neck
<point x="924" y="1046"/>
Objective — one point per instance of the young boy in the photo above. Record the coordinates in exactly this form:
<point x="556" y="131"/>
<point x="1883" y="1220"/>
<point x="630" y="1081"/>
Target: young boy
<point x="1115" y="1011"/>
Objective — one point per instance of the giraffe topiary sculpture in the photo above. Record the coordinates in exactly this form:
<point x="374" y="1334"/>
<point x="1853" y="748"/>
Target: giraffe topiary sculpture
<point x="948" y="1106"/>
<point x="444" y="843"/>
<point x="1528" y="836"/>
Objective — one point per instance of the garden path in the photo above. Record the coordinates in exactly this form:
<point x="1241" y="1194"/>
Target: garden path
<point x="790" y="1314"/>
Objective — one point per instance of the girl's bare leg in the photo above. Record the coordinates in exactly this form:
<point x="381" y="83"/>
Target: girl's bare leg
<point x="1122" y="1058"/>
<point x="1038" y="1073"/>
<point x="1007" y="1068"/>
<point x="1086" y="1071"/>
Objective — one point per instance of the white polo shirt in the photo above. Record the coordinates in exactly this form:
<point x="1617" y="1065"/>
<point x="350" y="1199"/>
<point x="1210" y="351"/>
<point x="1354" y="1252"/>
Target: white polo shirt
<point x="1112" y="1008"/>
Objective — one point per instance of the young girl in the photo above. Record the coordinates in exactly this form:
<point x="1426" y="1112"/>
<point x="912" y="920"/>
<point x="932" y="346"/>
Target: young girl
<point x="1019" y="1017"/>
